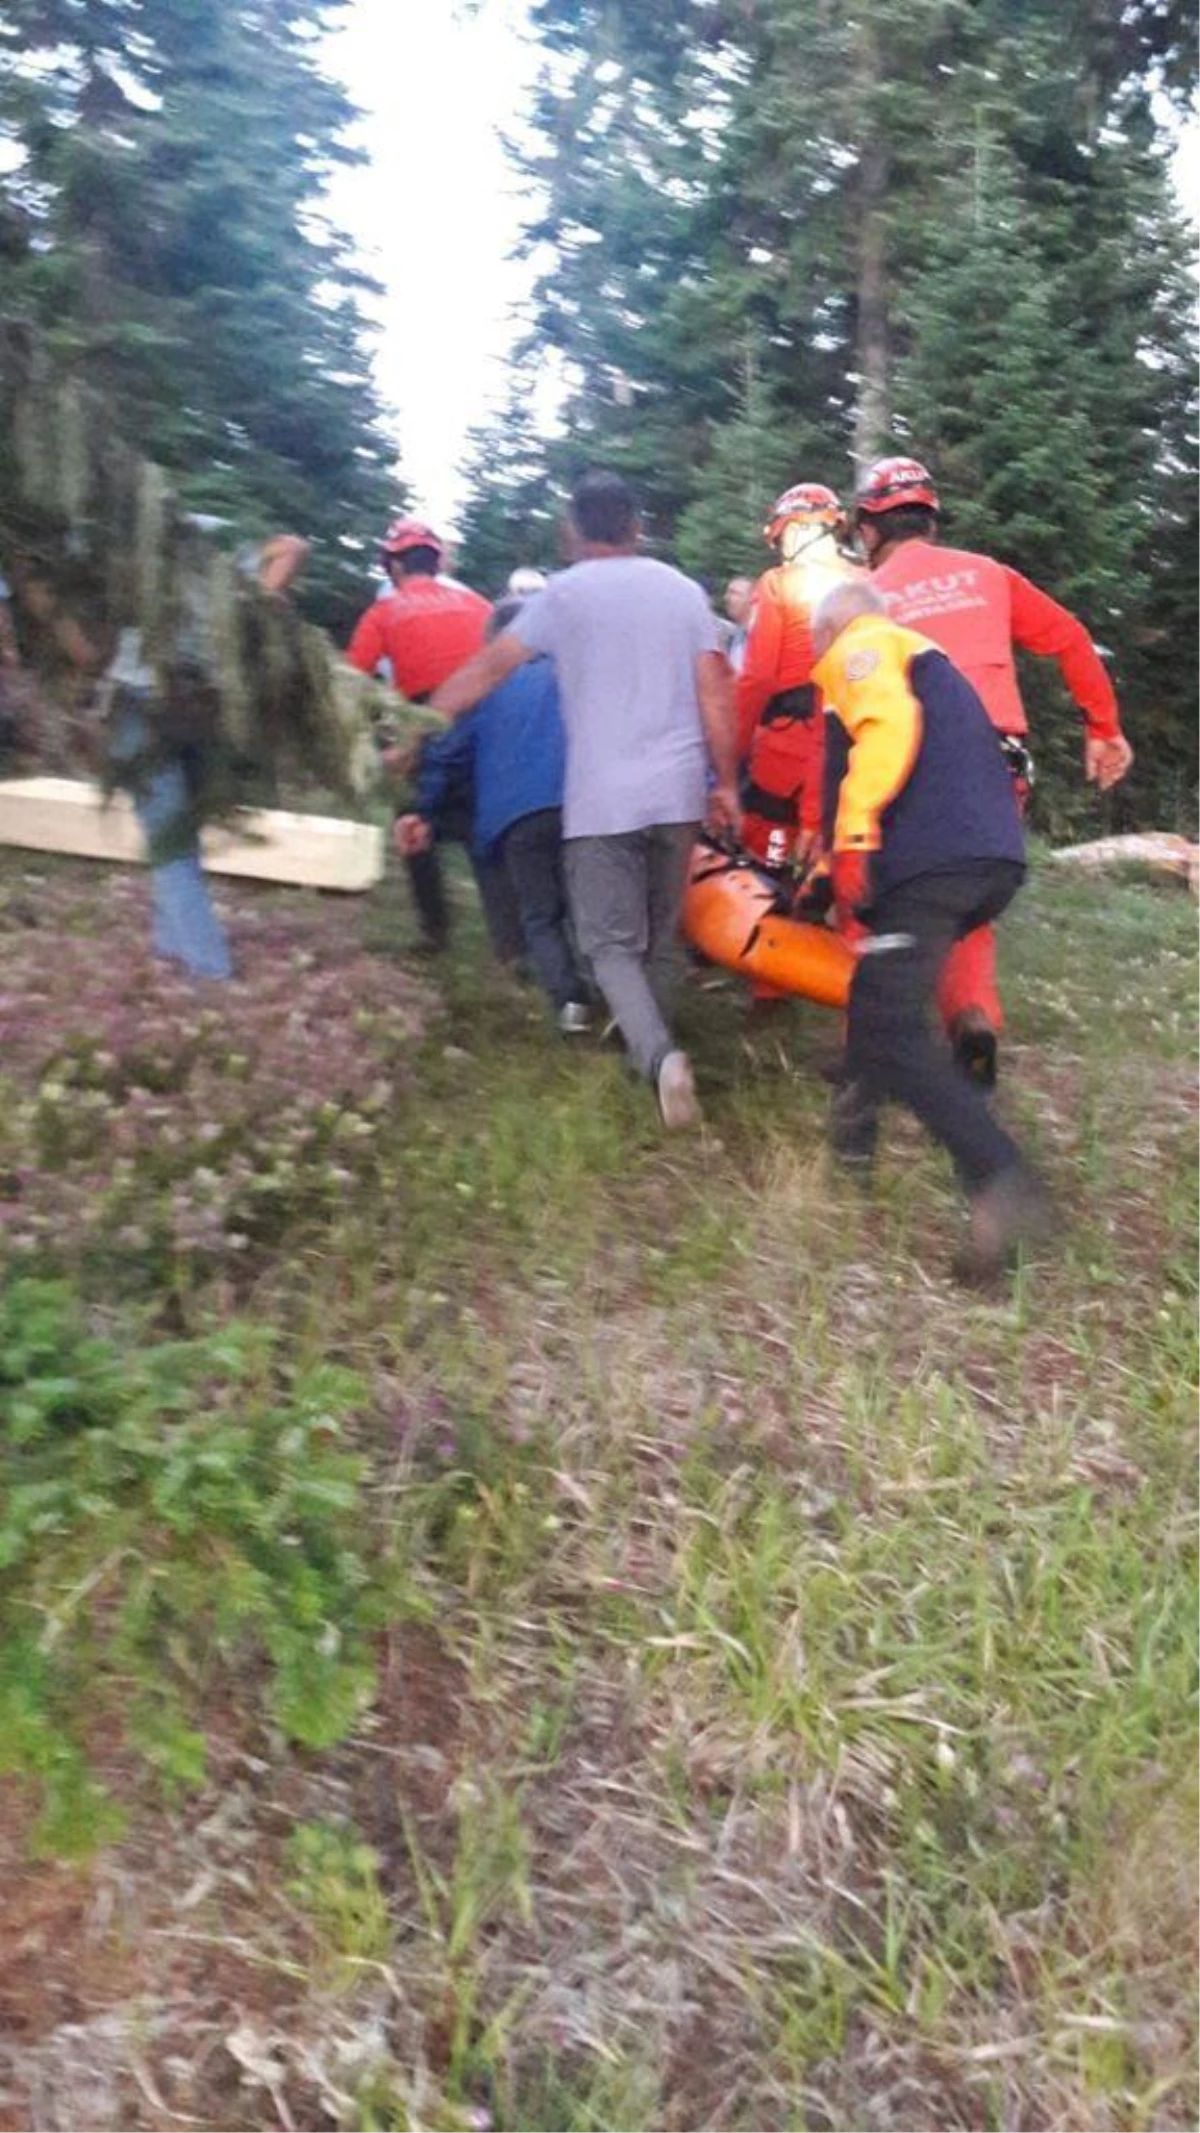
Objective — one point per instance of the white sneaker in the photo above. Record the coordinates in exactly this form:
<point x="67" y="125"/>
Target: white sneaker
<point x="677" y="1093"/>
<point x="575" y="1018"/>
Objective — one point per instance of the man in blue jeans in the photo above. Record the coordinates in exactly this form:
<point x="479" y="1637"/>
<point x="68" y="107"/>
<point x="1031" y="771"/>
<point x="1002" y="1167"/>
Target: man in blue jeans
<point x="509" y="751"/>
<point x="165" y="774"/>
<point x="647" y="705"/>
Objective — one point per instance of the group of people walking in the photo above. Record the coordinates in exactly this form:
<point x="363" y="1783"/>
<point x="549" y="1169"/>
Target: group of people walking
<point x="874" y="733"/>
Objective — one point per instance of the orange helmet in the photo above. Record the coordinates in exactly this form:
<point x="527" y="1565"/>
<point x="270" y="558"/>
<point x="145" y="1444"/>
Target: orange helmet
<point x="807" y="499"/>
<point x="406" y="533"/>
<point x="893" y="482"/>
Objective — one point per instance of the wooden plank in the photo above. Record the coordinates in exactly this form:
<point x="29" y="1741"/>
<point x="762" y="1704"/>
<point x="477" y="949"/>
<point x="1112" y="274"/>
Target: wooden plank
<point x="1159" y="850"/>
<point x="70" y="816"/>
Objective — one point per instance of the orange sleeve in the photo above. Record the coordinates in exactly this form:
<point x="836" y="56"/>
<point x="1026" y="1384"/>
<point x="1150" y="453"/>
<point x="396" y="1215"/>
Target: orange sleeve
<point x="758" y="680"/>
<point x="367" y="647"/>
<point x="1040" y="625"/>
<point x="812" y="792"/>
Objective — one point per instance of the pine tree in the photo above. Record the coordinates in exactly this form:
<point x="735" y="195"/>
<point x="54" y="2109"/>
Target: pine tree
<point x="625" y="176"/>
<point x="753" y="457"/>
<point x="1058" y="422"/>
<point x="514" y="514"/>
<point x="787" y="237"/>
<point x="173" y="179"/>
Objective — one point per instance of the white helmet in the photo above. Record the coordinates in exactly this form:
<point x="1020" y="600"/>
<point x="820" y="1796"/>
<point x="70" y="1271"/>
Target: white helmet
<point x="525" y="581"/>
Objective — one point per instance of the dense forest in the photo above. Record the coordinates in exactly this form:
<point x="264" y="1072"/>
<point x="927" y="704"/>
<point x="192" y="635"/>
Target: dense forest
<point x="777" y="239"/>
<point x="163" y="220"/>
<point x="510" y="1618"/>
<point x="773" y="239"/>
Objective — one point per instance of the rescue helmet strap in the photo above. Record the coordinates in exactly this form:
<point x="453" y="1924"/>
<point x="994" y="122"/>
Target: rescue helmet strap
<point x="819" y="533"/>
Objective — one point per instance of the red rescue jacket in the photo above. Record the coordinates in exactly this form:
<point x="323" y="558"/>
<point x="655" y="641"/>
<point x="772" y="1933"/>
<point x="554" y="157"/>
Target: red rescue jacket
<point x="426" y="629"/>
<point x="780" y="744"/>
<point x="977" y="610"/>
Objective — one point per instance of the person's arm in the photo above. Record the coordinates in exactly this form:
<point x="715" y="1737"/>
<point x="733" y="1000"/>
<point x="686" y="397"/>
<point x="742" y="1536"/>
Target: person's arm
<point x="441" y="759"/>
<point x="411" y="835"/>
<point x="757" y="681"/>
<point x="812" y="791"/>
<point x="1040" y="625"/>
<point x="714" y="690"/>
<point x="281" y="560"/>
<point x="367" y="646"/>
<point x="883" y="720"/>
<point x="464" y="689"/>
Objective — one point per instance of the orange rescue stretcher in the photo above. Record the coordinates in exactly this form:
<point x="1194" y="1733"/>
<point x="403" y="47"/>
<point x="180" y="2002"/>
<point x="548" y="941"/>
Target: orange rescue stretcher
<point x="738" y="917"/>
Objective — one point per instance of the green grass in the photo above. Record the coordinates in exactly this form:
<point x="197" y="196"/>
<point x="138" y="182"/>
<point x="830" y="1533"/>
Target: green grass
<point x="773" y="1670"/>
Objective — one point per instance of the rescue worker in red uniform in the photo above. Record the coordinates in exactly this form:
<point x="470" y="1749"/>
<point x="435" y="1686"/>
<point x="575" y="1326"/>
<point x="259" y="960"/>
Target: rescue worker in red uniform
<point x="979" y="611"/>
<point x="779" y="737"/>
<point x="426" y="628"/>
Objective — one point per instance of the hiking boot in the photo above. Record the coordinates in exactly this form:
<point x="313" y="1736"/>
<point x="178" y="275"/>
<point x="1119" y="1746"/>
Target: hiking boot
<point x="575" y="1019"/>
<point x="677" y="1093"/>
<point x="853" y="1127"/>
<point x="1013" y="1209"/>
<point x="974" y="1044"/>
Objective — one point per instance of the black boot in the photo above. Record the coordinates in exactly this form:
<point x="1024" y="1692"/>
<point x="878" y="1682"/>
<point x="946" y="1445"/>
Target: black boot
<point x="428" y="888"/>
<point x="853" y="1127"/>
<point x="974" y="1044"/>
<point x="1011" y="1210"/>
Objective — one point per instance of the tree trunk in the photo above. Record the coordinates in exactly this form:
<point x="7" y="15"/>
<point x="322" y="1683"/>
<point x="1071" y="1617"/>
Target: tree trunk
<point x="873" y="408"/>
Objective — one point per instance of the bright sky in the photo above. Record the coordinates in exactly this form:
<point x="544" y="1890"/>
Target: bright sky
<point x="436" y="211"/>
<point x="437" y="82"/>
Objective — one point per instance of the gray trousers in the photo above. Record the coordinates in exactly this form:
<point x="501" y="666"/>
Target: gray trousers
<point x="626" y="892"/>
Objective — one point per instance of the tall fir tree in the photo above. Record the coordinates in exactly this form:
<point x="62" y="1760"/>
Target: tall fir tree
<point x="171" y="199"/>
<point x="514" y="511"/>
<point x="786" y="237"/>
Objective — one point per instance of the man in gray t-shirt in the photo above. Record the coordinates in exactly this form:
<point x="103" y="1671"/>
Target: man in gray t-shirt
<point x="647" y="706"/>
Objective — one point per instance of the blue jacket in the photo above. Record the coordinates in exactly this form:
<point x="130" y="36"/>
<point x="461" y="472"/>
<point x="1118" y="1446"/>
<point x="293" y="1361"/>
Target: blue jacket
<point x="914" y="770"/>
<point x="510" y="748"/>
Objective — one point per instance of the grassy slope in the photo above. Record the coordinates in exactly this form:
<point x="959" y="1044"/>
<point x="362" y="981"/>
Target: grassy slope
<point x="785" y="1716"/>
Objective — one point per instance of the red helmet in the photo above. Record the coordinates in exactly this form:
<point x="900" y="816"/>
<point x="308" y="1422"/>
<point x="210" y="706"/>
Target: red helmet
<point x="406" y="533"/>
<point x="807" y="499"/>
<point x="892" y="482"/>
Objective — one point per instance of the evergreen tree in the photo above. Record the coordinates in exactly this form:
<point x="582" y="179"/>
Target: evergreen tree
<point x="175" y="155"/>
<point x="753" y="457"/>
<point x="787" y="237"/>
<point x="514" y="514"/>
<point x="1058" y="423"/>
<point x="624" y="174"/>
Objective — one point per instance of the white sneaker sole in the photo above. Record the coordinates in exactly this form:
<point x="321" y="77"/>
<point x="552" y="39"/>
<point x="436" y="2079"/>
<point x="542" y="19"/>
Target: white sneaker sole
<point x="677" y="1093"/>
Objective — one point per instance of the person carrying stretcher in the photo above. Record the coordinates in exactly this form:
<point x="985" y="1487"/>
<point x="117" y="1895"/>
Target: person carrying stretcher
<point x="925" y="841"/>
<point x="981" y="612"/>
<point x="779" y="738"/>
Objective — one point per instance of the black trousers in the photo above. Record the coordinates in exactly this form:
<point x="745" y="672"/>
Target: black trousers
<point x="891" y="1051"/>
<point x="426" y="879"/>
<point x="532" y="855"/>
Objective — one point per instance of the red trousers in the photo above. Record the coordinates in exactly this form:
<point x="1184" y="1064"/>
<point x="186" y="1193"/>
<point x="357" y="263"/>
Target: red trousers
<point x="968" y="976"/>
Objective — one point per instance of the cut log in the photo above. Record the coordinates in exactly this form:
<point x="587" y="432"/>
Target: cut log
<point x="263" y="844"/>
<point x="1161" y="852"/>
